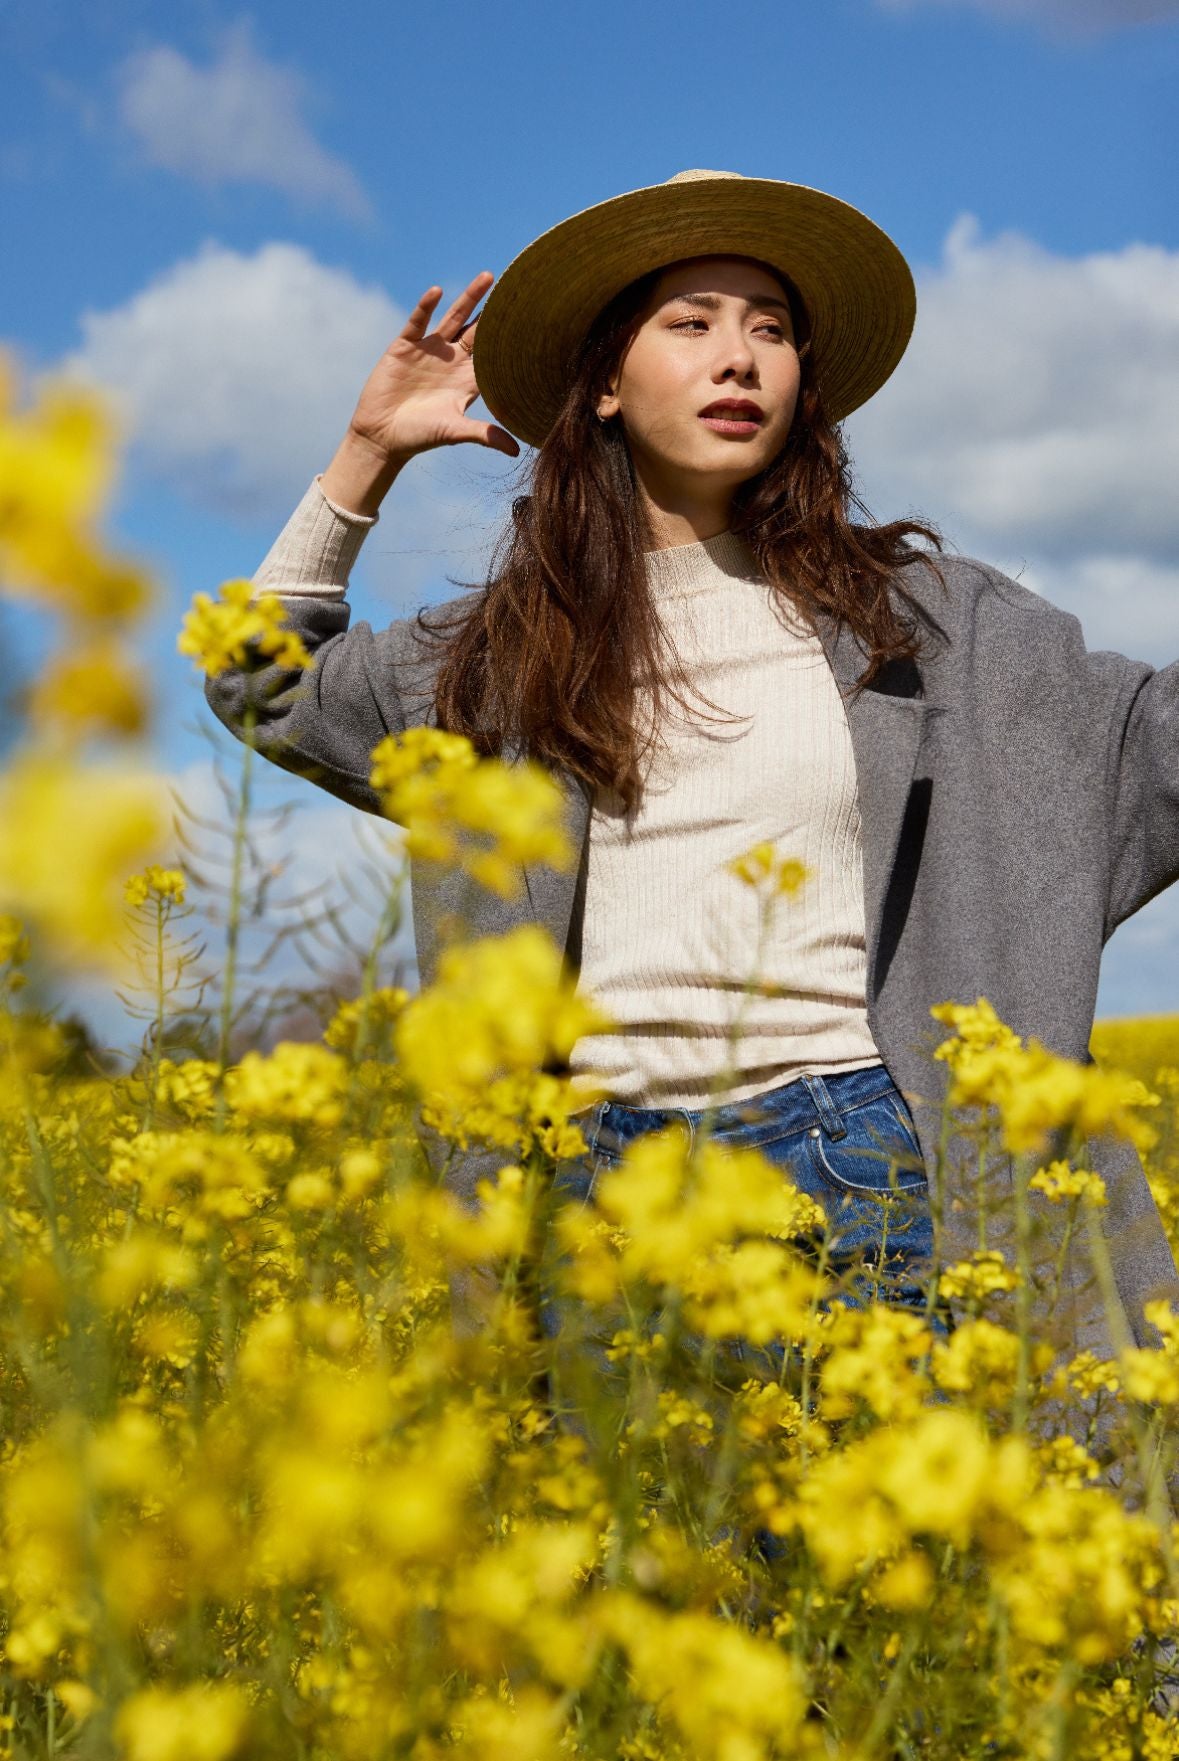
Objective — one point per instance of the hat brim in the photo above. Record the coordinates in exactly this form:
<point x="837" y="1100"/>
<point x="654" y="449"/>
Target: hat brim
<point x="858" y="288"/>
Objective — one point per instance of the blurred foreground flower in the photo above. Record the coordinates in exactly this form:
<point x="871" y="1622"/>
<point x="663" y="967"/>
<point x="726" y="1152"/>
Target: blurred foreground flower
<point x="56" y="470"/>
<point x="475" y="1043"/>
<point x="434" y="784"/>
<point x="70" y="835"/>
<point x="1034" y="1091"/>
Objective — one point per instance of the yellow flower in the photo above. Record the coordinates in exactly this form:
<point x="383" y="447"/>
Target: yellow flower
<point x="474" y="1043"/>
<point x="1151" y="1376"/>
<point x="873" y="1356"/>
<point x="205" y="1721"/>
<point x="1058" y="1181"/>
<point x="1035" y="1091"/>
<point x="141" y="1262"/>
<point x="985" y="1272"/>
<point x="29" y="1043"/>
<point x="93" y="690"/>
<point x="758" y="1290"/>
<point x="726" y="1692"/>
<point x="433" y="783"/>
<point x="155" y="882"/>
<point x="219" y="633"/>
<point x="56" y="469"/>
<point x="70" y="835"/>
<point x="763" y="869"/>
<point x="907" y="1583"/>
<point x="296" y="1081"/>
<point x="377" y="1010"/>
<point x="981" y="1360"/>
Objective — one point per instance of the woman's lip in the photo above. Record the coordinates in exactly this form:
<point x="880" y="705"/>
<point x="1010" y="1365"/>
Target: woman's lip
<point x="732" y="424"/>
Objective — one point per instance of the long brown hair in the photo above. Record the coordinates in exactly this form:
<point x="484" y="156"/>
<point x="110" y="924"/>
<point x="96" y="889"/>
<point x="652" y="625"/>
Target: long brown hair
<point x="550" y="651"/>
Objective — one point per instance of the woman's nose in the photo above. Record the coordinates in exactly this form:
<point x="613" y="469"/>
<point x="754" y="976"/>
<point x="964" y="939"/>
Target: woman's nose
<point x="735" y="357"/>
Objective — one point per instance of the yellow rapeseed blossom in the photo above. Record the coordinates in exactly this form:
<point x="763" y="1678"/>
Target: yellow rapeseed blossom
<point x="295" y="1082"/>
<point x="213" y="1173"/>
<point x="985" y="1273"/>
<point x="70" y="835"/>
<point x="434" y="784"/>
<point x="474" y="1043"/>
<point x="1059" y="1181"/>
<point x="218" y="633"/>
<point x="29" y="1043"/>
<point x="143" y="1261"/>
<point x="378" y="1010"/>
<point x="56" y="470"/>
<point x="96" y="688"/>
<point x="674" y="1207"/>
<point x="1080" y="1573"/>
<point x="980" y="1360"/>
<point x="723" y="1691"/>
<point x="873" y="1356"/>
<point x="757" y="1290"/>
<point x="155" y="883"/>
<point x="1034" y="1091"/>
<point x="189" y="1088"/>
<point x="763" y="869"/>
<point x="204" y="1721"/>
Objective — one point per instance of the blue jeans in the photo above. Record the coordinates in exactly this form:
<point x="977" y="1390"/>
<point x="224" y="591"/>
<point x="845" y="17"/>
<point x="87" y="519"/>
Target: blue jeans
<point x="846" y="1140"/>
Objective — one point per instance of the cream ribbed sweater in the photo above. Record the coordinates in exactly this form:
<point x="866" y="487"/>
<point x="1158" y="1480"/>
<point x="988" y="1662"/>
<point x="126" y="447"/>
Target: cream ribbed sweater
<point x="670" y="938"/>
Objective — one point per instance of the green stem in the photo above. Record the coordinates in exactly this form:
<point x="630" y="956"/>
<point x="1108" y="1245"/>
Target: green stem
<point x="1158" y="1503"/>
<point x="1024" y="1168"/>
<point x="233" y="927"/>
<point x="153" y="1077"/>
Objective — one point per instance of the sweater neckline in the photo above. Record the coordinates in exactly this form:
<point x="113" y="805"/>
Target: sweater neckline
<point x="683" y="569"/>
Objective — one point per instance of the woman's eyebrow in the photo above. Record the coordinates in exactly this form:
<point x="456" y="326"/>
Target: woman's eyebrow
<point x="711" y="302"/>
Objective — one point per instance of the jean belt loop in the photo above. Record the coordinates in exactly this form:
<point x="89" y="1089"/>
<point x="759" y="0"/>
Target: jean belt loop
<point x="825" y="1106"/>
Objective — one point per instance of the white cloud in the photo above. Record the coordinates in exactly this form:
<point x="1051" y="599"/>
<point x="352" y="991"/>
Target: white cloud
<point x="238" y="120"/>
<point x="236" y="374"/>
<point x="1034" y="417"/>
<point x="1073" y="17"/>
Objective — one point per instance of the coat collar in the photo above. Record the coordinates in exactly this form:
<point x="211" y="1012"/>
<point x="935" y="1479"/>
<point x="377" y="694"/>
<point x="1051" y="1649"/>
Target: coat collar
<point x="886" y="728"/>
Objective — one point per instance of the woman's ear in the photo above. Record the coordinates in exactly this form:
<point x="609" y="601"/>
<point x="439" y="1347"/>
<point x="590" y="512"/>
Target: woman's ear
<point x="607" y="405"/>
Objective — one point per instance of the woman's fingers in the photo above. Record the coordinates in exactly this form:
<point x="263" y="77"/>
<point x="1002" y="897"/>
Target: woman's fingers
<point x="452" y="323"/>
<point x="489" y="434"/>
<point x="415" y="324"/>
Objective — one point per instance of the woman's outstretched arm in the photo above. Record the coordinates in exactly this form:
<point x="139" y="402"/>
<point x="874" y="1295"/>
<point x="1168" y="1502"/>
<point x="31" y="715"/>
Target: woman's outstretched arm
<point x="322" y="724"/>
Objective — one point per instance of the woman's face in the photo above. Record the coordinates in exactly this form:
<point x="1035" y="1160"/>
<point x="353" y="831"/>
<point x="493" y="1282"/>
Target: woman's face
<point x="713" y="329"/>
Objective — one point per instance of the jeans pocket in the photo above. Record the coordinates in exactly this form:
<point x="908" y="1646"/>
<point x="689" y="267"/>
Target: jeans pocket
<point x="878" y="1153"/>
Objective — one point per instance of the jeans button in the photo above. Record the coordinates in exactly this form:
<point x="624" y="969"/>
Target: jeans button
<point x="814" y="1131"/>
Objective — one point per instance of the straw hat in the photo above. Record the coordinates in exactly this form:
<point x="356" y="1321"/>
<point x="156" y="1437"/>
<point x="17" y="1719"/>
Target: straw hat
<point x="857" y="286"/>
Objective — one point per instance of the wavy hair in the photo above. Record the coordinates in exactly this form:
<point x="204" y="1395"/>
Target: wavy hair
<point x="551" y="649"/>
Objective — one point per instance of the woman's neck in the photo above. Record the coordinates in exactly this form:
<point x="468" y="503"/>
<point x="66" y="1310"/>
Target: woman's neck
<point x="674" y="517"/>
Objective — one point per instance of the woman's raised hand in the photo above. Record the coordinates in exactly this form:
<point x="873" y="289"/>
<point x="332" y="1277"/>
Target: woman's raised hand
<point x="416" y="396"/>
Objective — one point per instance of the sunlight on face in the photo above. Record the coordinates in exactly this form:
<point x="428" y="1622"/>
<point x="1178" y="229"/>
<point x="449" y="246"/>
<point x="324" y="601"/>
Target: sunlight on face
<point x="713" y="328"/>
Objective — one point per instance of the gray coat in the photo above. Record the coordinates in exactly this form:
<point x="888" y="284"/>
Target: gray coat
<point x="1019" y="798"/>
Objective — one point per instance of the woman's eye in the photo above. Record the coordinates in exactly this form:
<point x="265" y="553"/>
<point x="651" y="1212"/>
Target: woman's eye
<point x="771" y="329"/>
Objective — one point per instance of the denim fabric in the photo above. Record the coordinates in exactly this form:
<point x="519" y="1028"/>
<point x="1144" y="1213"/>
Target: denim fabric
<point x="846" y="1140"/>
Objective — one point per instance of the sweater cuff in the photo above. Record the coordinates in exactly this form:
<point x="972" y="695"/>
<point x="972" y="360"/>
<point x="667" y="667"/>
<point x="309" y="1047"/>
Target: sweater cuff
<point x="314" y="553"/>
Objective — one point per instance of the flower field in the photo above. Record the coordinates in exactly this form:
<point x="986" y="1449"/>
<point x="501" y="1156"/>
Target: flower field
<point x="261" y="1496"/>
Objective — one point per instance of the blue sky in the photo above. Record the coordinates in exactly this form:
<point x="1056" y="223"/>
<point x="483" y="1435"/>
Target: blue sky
<point x="223" y="215"/>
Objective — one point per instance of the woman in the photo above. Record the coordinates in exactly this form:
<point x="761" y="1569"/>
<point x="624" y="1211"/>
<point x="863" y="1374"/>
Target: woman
<point x="978" y="799"/>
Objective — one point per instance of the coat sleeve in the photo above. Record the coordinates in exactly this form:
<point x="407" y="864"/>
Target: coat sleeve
<point x="1141" y="705"/>
<point x="322" y="722"/>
